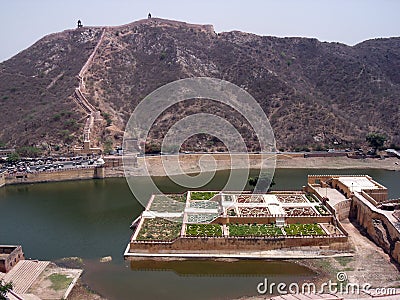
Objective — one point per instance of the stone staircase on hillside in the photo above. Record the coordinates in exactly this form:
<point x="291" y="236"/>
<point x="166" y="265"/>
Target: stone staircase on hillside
<point x="81" y="100"/>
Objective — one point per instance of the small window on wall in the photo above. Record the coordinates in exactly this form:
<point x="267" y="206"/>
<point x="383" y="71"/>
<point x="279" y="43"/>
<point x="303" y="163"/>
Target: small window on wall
<point x="317" y="181"/>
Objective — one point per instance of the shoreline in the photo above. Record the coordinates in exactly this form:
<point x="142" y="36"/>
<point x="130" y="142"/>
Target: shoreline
<point x="195" y="163"/>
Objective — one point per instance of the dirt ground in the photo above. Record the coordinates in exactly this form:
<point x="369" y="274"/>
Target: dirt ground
<point x="44" y="288"/>
<point x="369" y="264"/>
<point x="339" y="163"/>
<point x="81" y="291"/>
<point x="192" y="163"/>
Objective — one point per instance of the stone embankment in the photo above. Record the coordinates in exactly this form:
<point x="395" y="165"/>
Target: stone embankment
<point x="56" y="175"/>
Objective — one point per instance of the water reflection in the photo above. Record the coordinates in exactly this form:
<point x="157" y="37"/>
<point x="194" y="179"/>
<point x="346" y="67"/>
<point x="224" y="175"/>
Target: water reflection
<point x="222" y="268"/>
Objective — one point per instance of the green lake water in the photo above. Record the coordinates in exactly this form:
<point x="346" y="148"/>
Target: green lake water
<point x="90" y="219"/>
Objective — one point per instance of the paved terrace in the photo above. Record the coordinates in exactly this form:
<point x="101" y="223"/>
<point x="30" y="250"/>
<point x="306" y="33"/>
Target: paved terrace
<point x="333" y="195"/>
<point x="24" y="274"/>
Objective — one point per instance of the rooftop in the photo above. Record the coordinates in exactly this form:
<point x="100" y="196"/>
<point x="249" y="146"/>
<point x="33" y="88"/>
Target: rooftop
<point x="357" y="184"/>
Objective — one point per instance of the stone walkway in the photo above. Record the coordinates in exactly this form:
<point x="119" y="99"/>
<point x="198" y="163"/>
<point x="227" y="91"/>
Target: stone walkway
<point x="24" y="274"/>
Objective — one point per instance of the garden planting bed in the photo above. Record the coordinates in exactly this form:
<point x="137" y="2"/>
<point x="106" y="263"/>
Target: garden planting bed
<point x="304" y="229"/>
<point x="254" y="211"/>
<point x="228" y="198"/>
<point x="254" y="230"/>
<point x="159" y="229"/>
<point x="231" y="212"/>
<point x="310" y="197"/>
<point x="201" y="218"/>
<point x="322" y="210"/>
<point x="291" y="198"/>
<point x="178" y="197"/>
<point x="202" y="195"/>
<point x="250" y="199"/>
<point x="299" y="211"/>
<point x="204" y="204"/>
<point x="203" y="230"/>
<point x="163" y="203"/>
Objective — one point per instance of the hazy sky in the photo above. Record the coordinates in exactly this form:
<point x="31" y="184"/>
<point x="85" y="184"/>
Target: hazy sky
<point x="348" y="21"/>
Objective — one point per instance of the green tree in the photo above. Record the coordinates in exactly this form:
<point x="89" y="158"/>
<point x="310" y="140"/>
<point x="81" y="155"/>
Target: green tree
<point x="107" y="117"/>
<point x="28" y="151"/>
<point x="108" y="146"/>
<point x="13" y="157"/>
<point x="375" y="140"/>
<point x="262" y="183"/>
<point x="4" y="288"/>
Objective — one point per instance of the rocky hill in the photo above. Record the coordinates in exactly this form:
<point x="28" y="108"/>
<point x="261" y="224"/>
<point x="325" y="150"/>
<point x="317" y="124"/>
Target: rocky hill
<point x="315" y="94"/>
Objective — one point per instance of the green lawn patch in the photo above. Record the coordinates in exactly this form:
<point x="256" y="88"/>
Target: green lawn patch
<point x="59" y="281"/>
<point x="202" y="195"/>
<point x="254" y="230"/>
<point x="203" y="230"/>
<point x="304" y="229"/>
<point x="343" y="261"/>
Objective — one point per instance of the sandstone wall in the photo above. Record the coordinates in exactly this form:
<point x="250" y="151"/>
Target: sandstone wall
<point x="239" y="244"/>
<point x="14" y="255"/>
<point x="341" y="209"/>
<point x="378" y="227"/>
<point x="272" y="219"/>
<point x="56" y="175"/>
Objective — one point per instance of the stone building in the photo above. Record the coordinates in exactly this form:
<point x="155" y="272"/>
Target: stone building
<point x="9" y="257"/>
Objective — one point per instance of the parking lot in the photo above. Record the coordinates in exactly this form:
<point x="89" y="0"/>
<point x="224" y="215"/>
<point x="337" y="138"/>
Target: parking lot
<point x="32" y="165"/>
